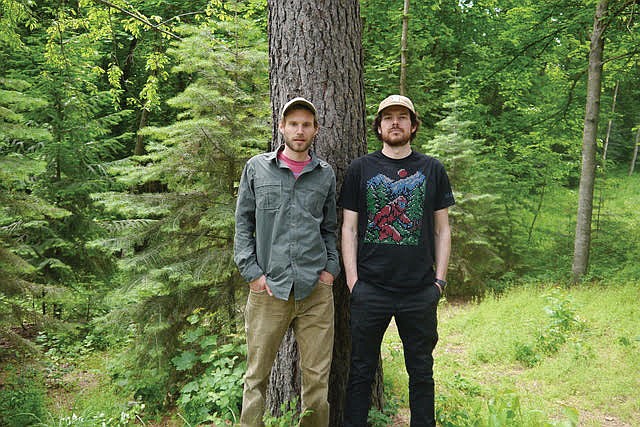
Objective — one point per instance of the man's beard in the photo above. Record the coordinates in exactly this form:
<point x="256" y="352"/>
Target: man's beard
<point x="298" y="149"/>
<point x="398" y="142"/>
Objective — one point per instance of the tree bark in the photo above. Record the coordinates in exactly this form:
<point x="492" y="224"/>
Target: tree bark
<point x="315" y="51"/>
<point x="139" y="149"/>
<point x="403" y="48"/>
<point x="582" y="241"/>
<point x="635" y="152"/>
<point x="605" y="149"/>
<point x="609" y="126"/>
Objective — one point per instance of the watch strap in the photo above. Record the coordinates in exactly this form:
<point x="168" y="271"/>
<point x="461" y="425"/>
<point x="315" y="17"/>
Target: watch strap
<point x="442" y="283"/>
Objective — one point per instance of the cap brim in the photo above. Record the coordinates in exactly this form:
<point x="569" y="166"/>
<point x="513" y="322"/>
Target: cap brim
<point x="296" y="102"/>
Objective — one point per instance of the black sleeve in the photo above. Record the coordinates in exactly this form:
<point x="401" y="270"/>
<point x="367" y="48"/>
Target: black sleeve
<point x="444" y="195"/>
<point x="350" y="192"/>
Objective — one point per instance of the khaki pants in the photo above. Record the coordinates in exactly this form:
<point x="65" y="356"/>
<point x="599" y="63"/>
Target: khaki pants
<point x="266" y="321"/>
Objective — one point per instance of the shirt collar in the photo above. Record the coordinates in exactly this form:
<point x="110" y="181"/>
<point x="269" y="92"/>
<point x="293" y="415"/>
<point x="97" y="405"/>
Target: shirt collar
<point x="273" y="156"/>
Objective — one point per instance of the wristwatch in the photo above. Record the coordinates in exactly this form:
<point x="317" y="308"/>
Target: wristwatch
<point x="442" y="283"/>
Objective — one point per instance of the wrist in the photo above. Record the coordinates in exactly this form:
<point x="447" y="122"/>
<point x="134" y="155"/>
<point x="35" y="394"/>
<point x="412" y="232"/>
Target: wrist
<point x="326" y="277"/>
<point x="440" y="283"/>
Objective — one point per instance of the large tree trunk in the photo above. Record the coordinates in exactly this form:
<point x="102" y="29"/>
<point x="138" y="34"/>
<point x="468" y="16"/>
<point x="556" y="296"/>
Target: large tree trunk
<point x="582" y="241"/>
<point x="315" y="51"/>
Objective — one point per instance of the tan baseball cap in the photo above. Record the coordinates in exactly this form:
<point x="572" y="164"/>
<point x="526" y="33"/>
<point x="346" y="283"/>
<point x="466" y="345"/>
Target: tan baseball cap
<point x="298" y="101"/>
<point x="400" y="100"/>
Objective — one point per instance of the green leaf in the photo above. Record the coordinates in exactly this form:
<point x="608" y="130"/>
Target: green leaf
<point x="186" y="360"/>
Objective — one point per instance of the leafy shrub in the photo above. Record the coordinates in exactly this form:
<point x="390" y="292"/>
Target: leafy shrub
<point x="464" y="407"/>
<point x="216" y="367"/>
<point x="22" y="398"/>
<point x="526" y="355"/>
<point x="92" y="419"/>
<point x="562" y="324"/>
<point x="377" y="418"/>
<point x="289" y="415"/>
<point x="459" y="403"/>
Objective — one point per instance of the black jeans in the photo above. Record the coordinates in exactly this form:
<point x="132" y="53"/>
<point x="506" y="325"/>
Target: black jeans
<point x="416" y="318"/>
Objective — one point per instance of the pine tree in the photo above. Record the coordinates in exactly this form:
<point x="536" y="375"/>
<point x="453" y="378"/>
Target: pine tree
<point x="480" y="241"/>
<point x="20" y="209"/>
<point x="177" y="242"/>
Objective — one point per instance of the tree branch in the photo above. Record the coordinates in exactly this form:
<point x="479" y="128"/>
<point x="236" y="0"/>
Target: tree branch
<point x="141" y="18"/>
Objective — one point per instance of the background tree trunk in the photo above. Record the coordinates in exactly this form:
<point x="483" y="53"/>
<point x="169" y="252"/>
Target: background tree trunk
<point x="582" y="241"/>
<point x="315" y="51"/>
<point x="635" y="152"/>
<point x="403" y="47"/>
<point x="609" y="126"/>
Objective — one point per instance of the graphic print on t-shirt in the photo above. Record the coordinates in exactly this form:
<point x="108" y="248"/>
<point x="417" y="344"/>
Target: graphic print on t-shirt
<point x="394" y="208"/>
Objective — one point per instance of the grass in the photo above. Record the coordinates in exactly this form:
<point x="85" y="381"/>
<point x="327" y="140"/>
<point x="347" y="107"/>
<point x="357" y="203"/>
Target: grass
<point x="590" y="365"/>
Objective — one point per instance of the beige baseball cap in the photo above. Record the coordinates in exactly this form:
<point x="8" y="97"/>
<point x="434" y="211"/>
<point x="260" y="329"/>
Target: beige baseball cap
<point x="400" y="100"/>
<point x="298" y="101"/>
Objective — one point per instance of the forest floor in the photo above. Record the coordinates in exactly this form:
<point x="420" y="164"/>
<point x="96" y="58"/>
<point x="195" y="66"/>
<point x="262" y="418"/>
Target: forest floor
<point x="603" y="402"/>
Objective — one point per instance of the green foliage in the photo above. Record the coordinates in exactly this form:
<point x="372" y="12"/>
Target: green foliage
<point x="466" y="403"/>
<point x="562" y="324"/>
<point x="22" y="397"/>
<point x="214" y="369"/>
<point x="89" y="418"/>
<point x="378" y="418"/>
<point x="481" y="241"/>
<point x="175" y="233"/>
<point x="21" y="211"/>
<point x="289" y="417"/>
<point x="613" y="254"/>
<point x="547" y="257"/>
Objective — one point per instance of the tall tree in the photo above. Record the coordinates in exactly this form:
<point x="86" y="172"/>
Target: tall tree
<point x="315" y="51"/>
<point x="177" y="245"/>
<point x="582" y="241"/>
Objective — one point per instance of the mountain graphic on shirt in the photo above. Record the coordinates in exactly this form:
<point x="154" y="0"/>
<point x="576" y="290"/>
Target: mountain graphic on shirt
<point x="394" y="208"/>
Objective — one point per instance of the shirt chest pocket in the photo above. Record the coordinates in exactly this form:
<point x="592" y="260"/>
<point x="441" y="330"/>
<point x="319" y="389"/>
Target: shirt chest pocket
<point x="314" y="201"/>
<point x="268" y="195"/>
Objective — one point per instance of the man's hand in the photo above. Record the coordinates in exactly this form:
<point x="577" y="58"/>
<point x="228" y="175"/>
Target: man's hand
<point x="326" y="278"/>
<point x="260" y="284"/>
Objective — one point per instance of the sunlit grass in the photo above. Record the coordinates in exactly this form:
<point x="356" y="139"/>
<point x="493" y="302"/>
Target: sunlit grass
<point x="591" y="366"/>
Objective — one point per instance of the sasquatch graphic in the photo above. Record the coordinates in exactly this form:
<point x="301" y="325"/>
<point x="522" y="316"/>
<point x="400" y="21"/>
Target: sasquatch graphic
<point x="394" y="208"/>
<point x="386" y="216"/>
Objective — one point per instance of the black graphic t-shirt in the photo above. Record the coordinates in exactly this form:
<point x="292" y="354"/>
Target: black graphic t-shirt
<point x="395" y="200"/>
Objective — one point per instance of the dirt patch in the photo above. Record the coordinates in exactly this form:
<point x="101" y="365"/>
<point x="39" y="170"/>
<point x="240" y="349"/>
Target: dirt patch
<point x="594" y="419"/>
<point x="402" y="418"/>
<point x="63" y="391"/>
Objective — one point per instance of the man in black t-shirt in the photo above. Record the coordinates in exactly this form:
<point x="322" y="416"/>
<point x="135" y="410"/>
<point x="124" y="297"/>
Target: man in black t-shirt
<point x="396" y="242"/>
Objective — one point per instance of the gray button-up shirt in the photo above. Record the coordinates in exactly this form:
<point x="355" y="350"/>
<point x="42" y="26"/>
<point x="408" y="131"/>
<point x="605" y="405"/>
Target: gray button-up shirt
<point x="286" y="227"/>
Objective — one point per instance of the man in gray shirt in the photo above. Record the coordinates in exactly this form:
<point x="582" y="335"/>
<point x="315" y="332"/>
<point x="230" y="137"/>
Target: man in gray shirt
<point x="285" y="248"/>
